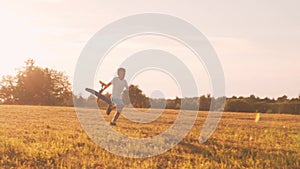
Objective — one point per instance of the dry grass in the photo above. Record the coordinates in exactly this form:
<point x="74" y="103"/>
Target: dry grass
<point x="51" y="137"/>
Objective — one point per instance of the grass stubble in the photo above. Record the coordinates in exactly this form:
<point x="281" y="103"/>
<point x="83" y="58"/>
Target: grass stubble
<point x="52" y="137"/>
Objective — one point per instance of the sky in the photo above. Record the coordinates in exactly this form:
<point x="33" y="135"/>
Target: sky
<point x="257" y="42"/>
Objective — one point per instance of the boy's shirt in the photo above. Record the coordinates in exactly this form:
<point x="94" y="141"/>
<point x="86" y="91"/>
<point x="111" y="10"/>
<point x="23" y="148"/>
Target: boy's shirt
<point x="118" y="87"/>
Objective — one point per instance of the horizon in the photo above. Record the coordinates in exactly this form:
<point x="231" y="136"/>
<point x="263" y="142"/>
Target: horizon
<point x="255" y="60"/>
<point x="86" y="95"/>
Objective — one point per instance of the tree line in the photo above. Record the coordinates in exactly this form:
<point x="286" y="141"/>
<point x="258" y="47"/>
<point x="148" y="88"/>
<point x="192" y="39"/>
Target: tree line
<point x="34" y="85"/>
<point x="243" y="104"/>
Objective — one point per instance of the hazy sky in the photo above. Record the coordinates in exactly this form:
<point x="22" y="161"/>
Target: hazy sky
<point x="257" y="41"/>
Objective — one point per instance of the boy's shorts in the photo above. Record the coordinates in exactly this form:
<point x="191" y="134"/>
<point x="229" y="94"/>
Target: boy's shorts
<point x="119" y="104"/>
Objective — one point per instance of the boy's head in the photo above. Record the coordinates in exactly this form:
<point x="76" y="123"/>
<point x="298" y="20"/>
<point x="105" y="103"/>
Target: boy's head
<point x="121" y="73"/>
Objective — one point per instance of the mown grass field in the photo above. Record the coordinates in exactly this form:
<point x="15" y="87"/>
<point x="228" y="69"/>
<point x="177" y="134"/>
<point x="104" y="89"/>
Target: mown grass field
<point x="51" y="137"/>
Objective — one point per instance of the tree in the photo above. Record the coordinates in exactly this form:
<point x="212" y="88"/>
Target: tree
<point x="79" y="101"/>
<point x="252" y="99"/>
<point x="137" y="98"/>
<point x="177" y="103"/>
<point x="7" y="90"/>
<point x="238" y="105"/>
<point x="282" y="98"/>
<point x="90" y="101"/>
<point x="173" y="103"/>
<point x="204" y="102"/>
<point x="34" y="85"/>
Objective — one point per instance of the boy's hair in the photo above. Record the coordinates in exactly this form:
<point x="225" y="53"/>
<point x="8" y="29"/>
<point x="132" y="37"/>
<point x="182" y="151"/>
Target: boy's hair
<point x="121" y="69"/>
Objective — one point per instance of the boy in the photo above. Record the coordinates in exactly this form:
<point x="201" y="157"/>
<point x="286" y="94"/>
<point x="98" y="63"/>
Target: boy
<point x="119" y="83"/>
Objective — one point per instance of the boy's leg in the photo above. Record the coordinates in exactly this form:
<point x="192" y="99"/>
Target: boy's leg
<point x="109" y="108"/>
<point x="117" y="114"/>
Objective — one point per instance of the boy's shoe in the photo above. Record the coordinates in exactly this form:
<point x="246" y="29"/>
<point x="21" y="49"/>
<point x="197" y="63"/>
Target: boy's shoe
<point x="113" y="123"/>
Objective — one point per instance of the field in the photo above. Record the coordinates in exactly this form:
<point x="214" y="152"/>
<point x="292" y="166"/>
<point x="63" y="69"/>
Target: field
<point x="51" y="137"/>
